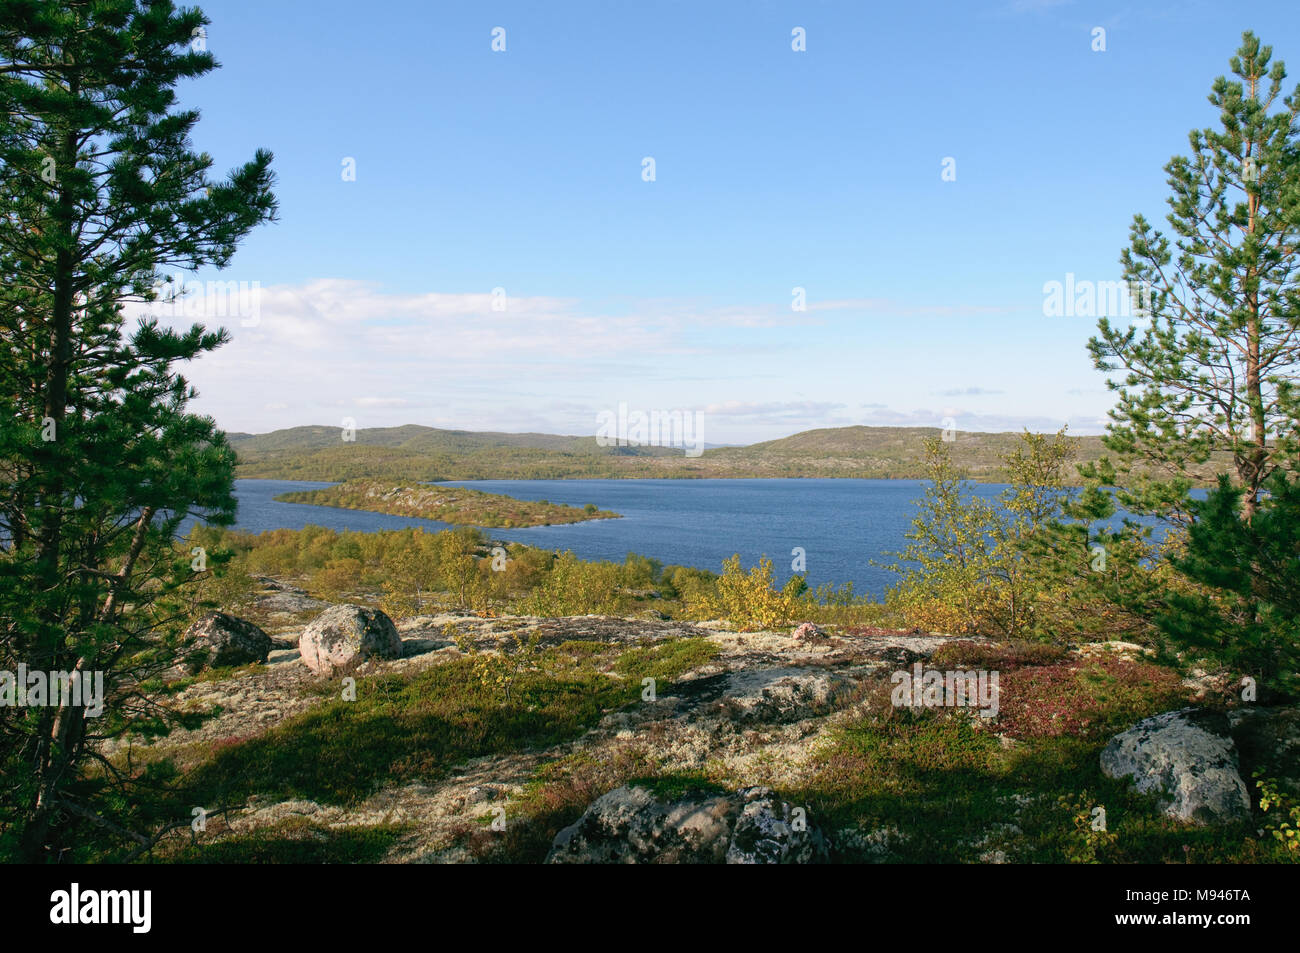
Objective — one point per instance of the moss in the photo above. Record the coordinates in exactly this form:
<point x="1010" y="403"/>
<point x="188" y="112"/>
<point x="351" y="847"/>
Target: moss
<point x="579" y="648"/>
<point x="404" y="728"/>
<point x="666" y="660"/>
<point x="1001" y="656"/>
<point x="677" y="785"/>
<point x="294" y="842"/>
<point x="954" y="790"/>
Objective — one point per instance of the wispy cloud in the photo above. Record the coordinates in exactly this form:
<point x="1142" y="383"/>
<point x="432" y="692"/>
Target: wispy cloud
<point x="801" y="408"/>
<point x="981" y="422"/>
<point x="322" y="350"/>
<point x="969" y="392"/>
<point x="903" y="308"/>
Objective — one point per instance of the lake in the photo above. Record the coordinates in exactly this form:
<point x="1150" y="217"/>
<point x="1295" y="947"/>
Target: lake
<point x="842" y="525"/>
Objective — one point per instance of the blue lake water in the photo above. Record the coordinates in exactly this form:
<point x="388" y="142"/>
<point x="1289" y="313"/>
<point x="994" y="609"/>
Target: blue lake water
<point x="842" y="525"/>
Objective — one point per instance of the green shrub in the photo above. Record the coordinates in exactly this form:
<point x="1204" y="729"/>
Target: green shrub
<point x="574" y="587"/>
<point x="966" y="569"/>
<point x="749" y="600"/>
<point x="1284" y="827"/>
<point x="338" y="579"/>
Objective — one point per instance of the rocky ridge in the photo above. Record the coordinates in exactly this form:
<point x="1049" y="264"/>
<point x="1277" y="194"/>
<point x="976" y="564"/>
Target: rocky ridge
<point x="755" y="712"/>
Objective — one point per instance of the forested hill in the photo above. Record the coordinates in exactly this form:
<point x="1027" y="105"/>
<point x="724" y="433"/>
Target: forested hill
<point x="426" y="453"/>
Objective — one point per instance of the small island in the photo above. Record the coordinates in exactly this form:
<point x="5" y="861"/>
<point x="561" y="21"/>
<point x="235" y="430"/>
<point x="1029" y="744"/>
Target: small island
<point x="449" y="504"/>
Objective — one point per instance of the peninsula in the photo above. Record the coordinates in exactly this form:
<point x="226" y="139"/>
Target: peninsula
<point x="449" y="504"/>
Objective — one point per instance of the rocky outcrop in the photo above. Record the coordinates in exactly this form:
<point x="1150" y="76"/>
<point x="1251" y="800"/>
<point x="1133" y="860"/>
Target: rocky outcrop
<point x="749" y="714"/>
<point x="219" y="640"/>
<point x="1188" y="759"/>
<point x="289" y="601"/>
<point x="778" y="695"/>
<point x="770" y="831"/>
<point x="343" y="636"/>
<point x="629" y="825"/>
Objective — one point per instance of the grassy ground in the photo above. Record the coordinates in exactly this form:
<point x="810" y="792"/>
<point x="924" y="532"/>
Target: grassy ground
<point x="404" y="729"/>
<point x="888" y="784"/>
<point x="937" y="786"/>
<point x="294" y="841"/>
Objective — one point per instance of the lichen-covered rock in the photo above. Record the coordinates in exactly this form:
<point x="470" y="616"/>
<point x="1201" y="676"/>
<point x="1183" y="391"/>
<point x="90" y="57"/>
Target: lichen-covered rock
<point x="881" y="845"/>
<point x="1186" y="757"/>
<point x="769" y="831"/>
<point x="219" y="640"/>
<point x="343" y="636"/>
<point x="630" y="826"/>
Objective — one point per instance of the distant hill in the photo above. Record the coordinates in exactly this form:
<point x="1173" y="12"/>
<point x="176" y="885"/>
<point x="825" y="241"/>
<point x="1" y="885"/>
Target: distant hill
<point x="427" y="453"/>
<point x="414" y="452"/>
<point x="411" y="437"/>
<point x="885" y="452"/>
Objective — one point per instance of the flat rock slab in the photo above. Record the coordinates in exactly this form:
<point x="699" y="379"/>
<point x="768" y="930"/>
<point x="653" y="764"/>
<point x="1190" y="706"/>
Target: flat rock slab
<point x="289" y="602"/>
<point x="785" y="694"/>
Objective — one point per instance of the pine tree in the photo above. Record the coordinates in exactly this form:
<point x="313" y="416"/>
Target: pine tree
<point x="1247" y="617"/>
<point x="100" y="462"/>
<point x="1213" y="375"/>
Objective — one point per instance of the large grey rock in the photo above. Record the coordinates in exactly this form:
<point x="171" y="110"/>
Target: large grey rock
<point x="630" y="826"/>
<point x="1188" y="759"/>
<point x="344" y="636"/>
<point x="769" y="831"/>
<point x="218" y="640"/>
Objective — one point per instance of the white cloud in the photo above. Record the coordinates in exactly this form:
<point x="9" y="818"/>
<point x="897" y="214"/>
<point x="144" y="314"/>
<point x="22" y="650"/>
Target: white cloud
<point x="382" y="402"/>
<point x="903" y="308"/>
<point x="802" y="408"/>
<point x="329" y="348"/>
<point x="969" y="392"/>
<point x="981" y="422"/>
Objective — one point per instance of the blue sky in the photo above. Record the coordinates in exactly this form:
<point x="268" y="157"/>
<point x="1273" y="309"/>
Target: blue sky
<point x="774" y="170"/>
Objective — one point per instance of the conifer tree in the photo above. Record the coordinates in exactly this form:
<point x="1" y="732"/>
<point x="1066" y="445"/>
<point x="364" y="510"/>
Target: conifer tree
<point x="100" y="462"/>
<point x="1212" y="376"/>
<point x="1245" y="614"/>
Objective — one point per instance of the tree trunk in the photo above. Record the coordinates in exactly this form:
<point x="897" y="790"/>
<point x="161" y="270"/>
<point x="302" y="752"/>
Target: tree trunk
<point x="52" y="754"/>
